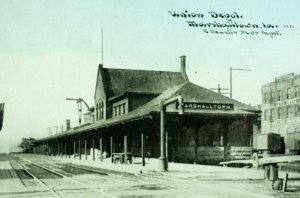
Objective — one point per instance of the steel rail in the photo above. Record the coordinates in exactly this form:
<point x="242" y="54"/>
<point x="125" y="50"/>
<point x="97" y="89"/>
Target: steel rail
<point x="86" y="169"/>
<point x="39" y="180"/>
<point x="16" y="171"/>
<point x="114" y="174"/>
<point x="100" y="191"/>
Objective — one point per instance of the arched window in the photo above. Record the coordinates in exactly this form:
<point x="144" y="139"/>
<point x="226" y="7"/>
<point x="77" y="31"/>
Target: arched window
<point x="289" y="93"/>
<point x="272" y="97"/>
<point x="279" y="95"/>
<point x="101" y="110"/>
<point x="296" y="91"/>
<point x="97" y="109"/>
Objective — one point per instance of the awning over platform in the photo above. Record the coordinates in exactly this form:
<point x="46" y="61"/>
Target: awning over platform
<point x="198" y="101"/>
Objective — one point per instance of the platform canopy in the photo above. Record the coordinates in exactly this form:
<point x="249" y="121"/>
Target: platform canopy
<point x="198" y="101"/>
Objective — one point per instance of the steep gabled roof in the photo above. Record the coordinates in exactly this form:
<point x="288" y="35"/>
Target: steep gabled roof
<point x="119" y="81"/>
<point x="195" y="93"/>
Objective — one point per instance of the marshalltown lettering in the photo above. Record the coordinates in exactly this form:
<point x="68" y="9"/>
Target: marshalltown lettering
<point x="207" y="106"/>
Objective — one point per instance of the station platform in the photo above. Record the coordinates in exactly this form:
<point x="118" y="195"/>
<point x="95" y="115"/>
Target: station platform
<point x="175" y="170"/>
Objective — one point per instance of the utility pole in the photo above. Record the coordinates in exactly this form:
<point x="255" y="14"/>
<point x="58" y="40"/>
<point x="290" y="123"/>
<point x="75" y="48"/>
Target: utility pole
<point x="231" y="68"/>
<point x="49" y="131"/>
<point x="102" y="44"/>
<point x="219" y="89"/>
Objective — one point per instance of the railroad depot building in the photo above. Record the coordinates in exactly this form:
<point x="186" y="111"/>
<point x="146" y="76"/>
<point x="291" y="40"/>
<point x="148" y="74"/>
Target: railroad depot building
<point x="281" y="110"/>
<point x="131" y="111"/>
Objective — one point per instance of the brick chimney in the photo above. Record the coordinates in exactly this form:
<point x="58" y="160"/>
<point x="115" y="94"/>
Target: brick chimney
<point x="183" y="67"/>
<point x="68" y="125"/>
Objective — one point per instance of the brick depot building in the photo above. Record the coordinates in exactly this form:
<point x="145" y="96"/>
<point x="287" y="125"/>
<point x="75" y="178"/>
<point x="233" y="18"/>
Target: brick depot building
<point x="128" y="112"/>
<point x="281" y="110"/>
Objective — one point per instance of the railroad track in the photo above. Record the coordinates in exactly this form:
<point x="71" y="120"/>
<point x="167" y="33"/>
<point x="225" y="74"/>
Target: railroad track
<point x="42" y="180"/>
<point x="128" y="182"/>
<point x="108" y="173"/>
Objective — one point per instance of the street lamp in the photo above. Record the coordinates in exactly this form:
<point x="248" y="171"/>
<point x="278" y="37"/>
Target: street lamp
<point x="231" y="68"/>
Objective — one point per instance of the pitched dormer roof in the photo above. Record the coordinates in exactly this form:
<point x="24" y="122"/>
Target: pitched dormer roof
<point x="120" y="81"/>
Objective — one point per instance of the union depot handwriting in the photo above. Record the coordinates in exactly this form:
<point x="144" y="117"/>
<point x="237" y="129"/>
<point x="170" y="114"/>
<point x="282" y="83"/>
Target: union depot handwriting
<point x="231" y="23"/>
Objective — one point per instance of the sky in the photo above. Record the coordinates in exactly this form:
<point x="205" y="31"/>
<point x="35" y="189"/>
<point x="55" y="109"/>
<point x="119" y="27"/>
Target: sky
<point x="50" y="50"/>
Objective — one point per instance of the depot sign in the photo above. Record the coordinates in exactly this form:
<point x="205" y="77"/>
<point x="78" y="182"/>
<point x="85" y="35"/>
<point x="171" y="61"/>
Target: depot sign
<point x="208" y="106"/>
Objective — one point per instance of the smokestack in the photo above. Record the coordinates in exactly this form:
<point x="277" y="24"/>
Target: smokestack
<point x="182" y="64"/>
<point x="183" y="67"/>
<point x="68" y="125"/>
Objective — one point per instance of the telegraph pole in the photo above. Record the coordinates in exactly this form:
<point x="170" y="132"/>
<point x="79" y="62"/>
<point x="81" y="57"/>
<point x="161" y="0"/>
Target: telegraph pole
<point x="231" y="68"/>
<point x="219" y="89"/>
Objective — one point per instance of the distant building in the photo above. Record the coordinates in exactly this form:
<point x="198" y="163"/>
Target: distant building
<point x="27" y="145"/>
<point x="281" y="110"/>
<point x="88" y="117"/>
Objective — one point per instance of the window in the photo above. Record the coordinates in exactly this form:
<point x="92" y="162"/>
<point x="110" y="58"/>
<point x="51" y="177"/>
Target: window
<point x="289" y="93"/>
<point x="115" y="111"/>
<point x="119" y="109"/>
<point x="296" y="111"/>
<point x="272" y="115"/>
<point x="123" y="111"/>
<point x="266" y="98"/>
<point x="279" y="95"/>
<point x="288" y="112"/>
<point x="265" y="116"/>
<point x="279" y="113"/>
<point x="101" y="110"/>
<point x="97" y="109"/>
<point x="297" y="91"/>
<point x="272" y="97"/>
<point x="98" y="112"/>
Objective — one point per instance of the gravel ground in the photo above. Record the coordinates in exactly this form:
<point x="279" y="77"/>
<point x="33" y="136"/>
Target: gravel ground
<point x="182" y="180"/>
